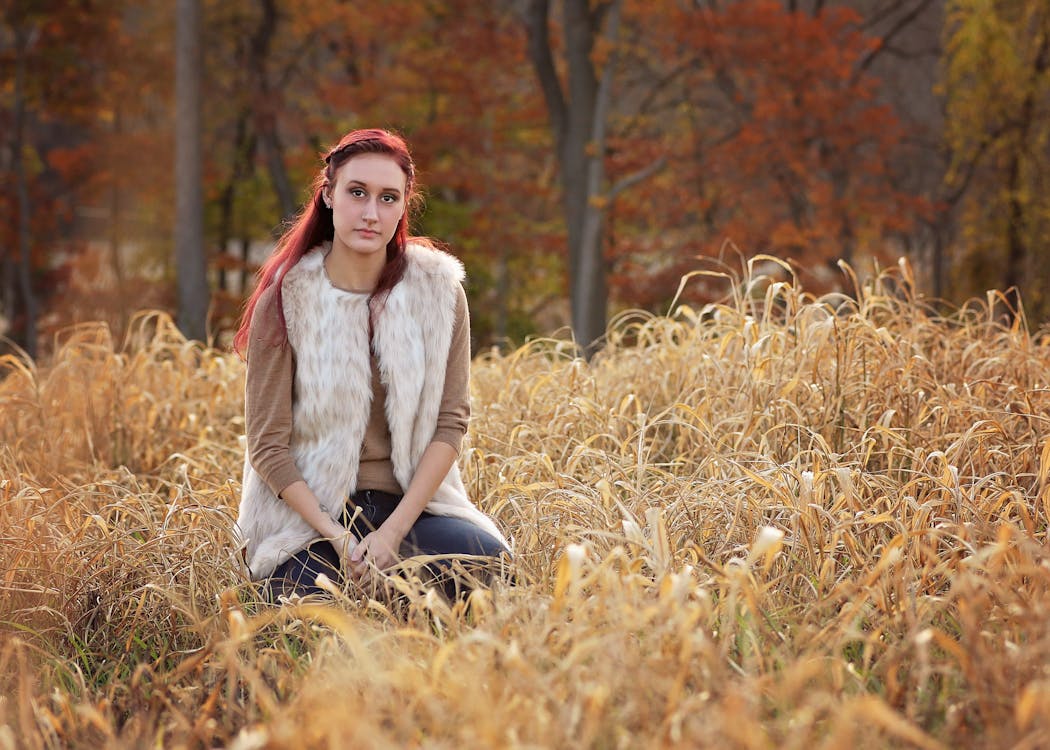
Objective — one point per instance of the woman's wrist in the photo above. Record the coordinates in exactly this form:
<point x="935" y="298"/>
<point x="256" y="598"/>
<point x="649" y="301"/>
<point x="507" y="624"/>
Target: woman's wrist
<point x="334" y="531"/>
<point x="343" y="540"/>
<point x="395" y="527"/>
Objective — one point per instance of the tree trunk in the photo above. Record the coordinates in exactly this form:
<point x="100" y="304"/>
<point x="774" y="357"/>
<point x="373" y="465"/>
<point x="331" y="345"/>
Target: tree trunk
<point x="577" y="126"/>
<point x="591" y="292"/>
<point x="7" y="279"/>
<point x="577" y="119"/>
<point x="265" y="115"/>
<point x="938" y="264"/>
<point x="25" y="276"/>
<point x="116" y="235"/>
<point x="497" y="238"/>
<point x="1016" y="251"/>
<point x="190" y="264"/>
<point x="246" y="250"/>
<point x="243" y="148"/>
<point x="1017" y="238"/>
<point x="273" y="151"/>
<point x="499" y="325"/>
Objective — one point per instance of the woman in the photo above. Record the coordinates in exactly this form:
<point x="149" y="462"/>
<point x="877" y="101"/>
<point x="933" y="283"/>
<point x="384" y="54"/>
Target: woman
<point x="357" y="341"/>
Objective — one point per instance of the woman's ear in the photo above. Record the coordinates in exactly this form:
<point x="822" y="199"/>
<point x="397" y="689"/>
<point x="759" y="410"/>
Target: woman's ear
<point x="326" y="196"/>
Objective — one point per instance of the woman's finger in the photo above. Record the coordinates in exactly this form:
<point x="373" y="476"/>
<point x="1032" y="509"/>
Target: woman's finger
<point x="358" y="570"/>
<point x="362" y="574"/>
<point x="360" y="553"/>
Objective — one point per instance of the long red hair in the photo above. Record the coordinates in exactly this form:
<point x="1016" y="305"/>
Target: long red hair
<point x="314" y="225"/>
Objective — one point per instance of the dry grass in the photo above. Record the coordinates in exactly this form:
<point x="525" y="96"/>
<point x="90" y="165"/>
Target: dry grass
<point x="765" y="523"/>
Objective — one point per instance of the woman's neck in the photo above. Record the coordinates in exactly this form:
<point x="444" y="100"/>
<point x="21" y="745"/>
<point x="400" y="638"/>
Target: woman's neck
<point x="353" y="272"/>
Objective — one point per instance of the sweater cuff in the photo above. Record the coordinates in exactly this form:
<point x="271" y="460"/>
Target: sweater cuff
<point x="283" y="477"/>
<point x="449" y="436"/>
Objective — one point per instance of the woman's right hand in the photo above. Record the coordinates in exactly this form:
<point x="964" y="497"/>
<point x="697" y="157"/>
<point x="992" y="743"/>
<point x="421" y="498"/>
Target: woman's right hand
<point x="304" y="502"/>
<point x="344" y="542"/>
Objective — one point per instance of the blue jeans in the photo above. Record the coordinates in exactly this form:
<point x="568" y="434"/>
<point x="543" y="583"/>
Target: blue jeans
<point x="430" y="535"/>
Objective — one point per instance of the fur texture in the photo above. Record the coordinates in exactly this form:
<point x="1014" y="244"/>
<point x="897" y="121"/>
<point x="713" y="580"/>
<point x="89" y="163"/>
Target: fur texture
<point x="328" y="330"/>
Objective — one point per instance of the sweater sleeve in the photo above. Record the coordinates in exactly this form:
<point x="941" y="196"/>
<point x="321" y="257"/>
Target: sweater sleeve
<point x="268" y="397"/>
<point x="454" y="412"/>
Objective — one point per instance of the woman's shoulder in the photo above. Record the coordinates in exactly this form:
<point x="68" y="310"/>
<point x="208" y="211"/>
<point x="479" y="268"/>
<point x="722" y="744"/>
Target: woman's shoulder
<point x="266" y="317"/>
<point x="269" y="314"/>
<point x="307" y="267"/>
<point x="427" y="259"/>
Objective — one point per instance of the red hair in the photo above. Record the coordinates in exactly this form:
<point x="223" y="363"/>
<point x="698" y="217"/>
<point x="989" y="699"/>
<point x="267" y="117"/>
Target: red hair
<point x="314" y="225"/>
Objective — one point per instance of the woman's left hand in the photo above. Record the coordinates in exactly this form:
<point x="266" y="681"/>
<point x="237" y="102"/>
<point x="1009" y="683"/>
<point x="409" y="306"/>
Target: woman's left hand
<point x="379" y="548"/>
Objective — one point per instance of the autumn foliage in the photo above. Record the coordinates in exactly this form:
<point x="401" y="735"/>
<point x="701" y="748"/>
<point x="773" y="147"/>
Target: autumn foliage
<point x="784" y="147"/>
<point x="997" y="79"/>
<point x="769" y="128"/>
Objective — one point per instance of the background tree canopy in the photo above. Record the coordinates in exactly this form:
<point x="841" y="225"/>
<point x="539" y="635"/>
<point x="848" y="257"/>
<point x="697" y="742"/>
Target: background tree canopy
<point x="580" y="156"/>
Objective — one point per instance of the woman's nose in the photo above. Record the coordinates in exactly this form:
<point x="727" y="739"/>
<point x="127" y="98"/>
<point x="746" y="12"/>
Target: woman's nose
<point x="370" y="213"/>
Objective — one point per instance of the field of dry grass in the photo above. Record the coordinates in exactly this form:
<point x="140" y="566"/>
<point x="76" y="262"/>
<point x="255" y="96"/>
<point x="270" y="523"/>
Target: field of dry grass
<point x="762" y="524"/>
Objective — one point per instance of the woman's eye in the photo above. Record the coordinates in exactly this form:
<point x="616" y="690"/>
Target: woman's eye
<point x="357" y="192"/>
<point x="390" y="198"/>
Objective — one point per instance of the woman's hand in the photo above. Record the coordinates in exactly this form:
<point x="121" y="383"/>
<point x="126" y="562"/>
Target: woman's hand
<point x="344" y="542"/>
<point x="378" y="548"/>
<point x="381" y="546"/>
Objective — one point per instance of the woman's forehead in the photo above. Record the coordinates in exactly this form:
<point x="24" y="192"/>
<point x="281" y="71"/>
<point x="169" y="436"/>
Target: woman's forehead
<point x="377" y="170"/>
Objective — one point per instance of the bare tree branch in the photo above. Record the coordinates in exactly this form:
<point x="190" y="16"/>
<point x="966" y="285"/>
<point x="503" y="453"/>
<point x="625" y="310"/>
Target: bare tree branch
<point x="539" y="49"/>
<point x="882" y="14"/>
<point x="629" y="181"/>
<point x="902" y="23"/>
<point x="663" y="82"/>
<point x="953" y="197"/>
<point x="599" y="12"/>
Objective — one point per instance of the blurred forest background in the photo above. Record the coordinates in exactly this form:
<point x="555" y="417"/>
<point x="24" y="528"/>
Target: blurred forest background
<point x="580" y="157"/>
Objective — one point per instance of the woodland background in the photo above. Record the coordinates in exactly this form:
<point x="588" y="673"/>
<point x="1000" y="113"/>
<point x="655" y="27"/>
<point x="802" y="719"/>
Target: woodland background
<point x="780" y="519"/>
<point x="579" y="156"/>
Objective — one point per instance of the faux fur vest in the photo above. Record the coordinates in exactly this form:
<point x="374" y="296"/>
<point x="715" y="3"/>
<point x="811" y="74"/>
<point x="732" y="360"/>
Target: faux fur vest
<point x="328" y="331"/>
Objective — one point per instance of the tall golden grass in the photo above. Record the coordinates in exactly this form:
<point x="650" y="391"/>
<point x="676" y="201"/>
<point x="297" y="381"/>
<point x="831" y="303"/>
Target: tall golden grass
<point x="771" y="522"/>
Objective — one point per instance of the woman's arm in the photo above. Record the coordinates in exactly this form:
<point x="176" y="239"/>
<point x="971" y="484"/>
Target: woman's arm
<point x="268" y="398"/>
<point x="303" y="501"/>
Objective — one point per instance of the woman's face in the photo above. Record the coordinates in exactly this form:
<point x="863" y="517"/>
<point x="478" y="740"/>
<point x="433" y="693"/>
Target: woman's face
<point x="368" y="200"/>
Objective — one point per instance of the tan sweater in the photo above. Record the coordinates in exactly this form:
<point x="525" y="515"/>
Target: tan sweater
<point x="269" y="396"/>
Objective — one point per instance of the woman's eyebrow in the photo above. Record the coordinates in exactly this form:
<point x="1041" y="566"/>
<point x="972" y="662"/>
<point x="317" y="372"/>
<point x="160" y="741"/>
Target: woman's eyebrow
<point x="365" y="184"/>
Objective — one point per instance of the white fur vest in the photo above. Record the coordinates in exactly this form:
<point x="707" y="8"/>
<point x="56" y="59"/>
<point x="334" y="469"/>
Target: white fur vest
<point x="328" y="331"/>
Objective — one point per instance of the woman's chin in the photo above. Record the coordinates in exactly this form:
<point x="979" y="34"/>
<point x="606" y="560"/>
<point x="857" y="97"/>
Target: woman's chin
<point x="359" y="248"/>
